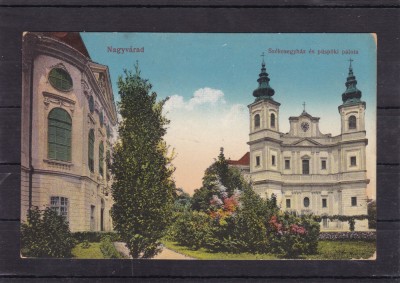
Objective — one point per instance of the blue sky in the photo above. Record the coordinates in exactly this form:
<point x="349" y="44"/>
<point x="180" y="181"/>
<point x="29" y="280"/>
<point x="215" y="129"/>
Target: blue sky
<point x="224" y="69"/>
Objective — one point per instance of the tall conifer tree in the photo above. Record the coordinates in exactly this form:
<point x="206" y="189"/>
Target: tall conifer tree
<point x="142" y="172"/>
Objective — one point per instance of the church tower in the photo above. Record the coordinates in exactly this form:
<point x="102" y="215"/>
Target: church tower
<point x="264" y="141"/>
<point x="352" y="111"/>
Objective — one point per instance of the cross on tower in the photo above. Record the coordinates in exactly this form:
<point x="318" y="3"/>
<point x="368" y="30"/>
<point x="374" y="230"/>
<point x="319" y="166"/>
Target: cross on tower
<point x="262" y="55"/>
<point x="304" y="107"/>
<point x="350" y="60"/>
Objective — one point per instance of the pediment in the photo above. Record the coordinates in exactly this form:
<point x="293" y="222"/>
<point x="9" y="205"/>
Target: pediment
<point x="306" y="142"/>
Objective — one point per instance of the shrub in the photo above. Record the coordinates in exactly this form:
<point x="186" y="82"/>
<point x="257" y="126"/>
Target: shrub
<point x="46" y="234"/>
<point x="108" y="249"/>
<point x="95" y="237"/>
<point x="343" y="236"/>
<point x="191" y="229"/>
<point x="292" y="236"/>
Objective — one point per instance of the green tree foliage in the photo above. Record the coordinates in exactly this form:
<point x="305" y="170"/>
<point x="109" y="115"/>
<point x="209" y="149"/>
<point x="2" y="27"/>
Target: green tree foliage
<point x="219" y="173"/>
<point x="142" y="187"/>
<point x="46" y="234"/>
<point x="236" y="219"/>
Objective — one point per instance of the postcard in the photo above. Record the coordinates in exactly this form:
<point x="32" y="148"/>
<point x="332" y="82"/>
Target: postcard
<point x="242" y="146"/>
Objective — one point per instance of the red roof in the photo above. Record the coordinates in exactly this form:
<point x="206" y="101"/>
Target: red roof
<point x="73" y="39"/>
<point x="245" y="160"/>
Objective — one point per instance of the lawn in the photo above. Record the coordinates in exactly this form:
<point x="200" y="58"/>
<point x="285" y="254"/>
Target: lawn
<point x="92" y="252"/>
<point x="327" y="250"/>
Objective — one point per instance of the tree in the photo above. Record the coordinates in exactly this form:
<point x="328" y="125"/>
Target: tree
<point x="218" y="175"/>
<point x="142" y="187"/>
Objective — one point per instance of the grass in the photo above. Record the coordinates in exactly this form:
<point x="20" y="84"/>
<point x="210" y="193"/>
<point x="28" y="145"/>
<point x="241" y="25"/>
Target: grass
<point x="333" y="250"/>
<point x="93" y="252"/>
<point x="327" y="250"/>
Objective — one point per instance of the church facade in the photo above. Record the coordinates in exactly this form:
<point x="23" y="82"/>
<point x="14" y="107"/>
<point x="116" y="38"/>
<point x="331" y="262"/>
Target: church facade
<point x="309" y="171"/>
<point x="68" y="124"/>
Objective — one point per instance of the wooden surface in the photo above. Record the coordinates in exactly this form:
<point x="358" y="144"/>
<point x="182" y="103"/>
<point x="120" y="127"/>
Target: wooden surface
<point x="384" y="21"/>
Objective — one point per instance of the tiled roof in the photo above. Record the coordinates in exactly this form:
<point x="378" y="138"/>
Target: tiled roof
<point x="244" y="160"/>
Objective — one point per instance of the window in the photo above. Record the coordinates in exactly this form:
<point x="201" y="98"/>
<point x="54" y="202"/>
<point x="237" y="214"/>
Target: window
<point x="101" y="159"/>
<point x="287" y="203"/>
<point x="257" y="121"/>
<point x="59" y="205"/>
<point x="91" y="104"/>
<point x="323" y="164"/>
<point x="352" y="122"/>
<point x="92" y="219"/>
<point x="325" y="222"/>
<point x="59" y="135"/>
<point x="273" y="160"/>
<point x="272" y="120"/>
<point x="91" y="150"/>
<point x="353" y="201"/>
<point x="324" y="203"/>
<point x="258" y="162"/>
<point x="287" y="164"/>
<point x="306" y="202"/>
<point x="60" y="79"/>
<point x="101" y="118"/>
<point x="306" y="166"/>
<point x="109" y="134"/>
<point x="353" y="161"/>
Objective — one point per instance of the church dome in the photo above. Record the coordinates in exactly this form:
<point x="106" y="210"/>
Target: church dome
<point x="352" y="93"/>
<point x="264" y="90"/>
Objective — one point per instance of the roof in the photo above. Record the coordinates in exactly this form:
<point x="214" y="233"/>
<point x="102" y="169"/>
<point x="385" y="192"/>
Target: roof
<point x="73" y="39"/>
<point x="244" y="160"/>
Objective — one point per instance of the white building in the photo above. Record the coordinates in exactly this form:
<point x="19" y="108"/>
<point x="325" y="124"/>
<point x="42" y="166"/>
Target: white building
<point x="68" y="120"/>
<point x="308" y="171"/>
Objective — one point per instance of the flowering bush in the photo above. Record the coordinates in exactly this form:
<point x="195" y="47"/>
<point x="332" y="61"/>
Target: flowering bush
<point x="292" y="236"/>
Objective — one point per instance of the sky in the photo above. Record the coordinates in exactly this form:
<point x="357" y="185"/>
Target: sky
<point x="210" y="78"/>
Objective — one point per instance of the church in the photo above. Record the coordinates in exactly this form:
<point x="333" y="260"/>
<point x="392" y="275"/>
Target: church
<point x="309" y="171"/>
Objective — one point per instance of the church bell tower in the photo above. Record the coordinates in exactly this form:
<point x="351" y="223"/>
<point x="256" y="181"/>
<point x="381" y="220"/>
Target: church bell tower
<point x="264" y="138"/>
<point x="264" y="111"/>
<point x="352" y="111"/>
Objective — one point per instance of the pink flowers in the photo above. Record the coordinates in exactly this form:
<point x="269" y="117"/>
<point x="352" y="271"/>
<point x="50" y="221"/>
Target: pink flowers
<point x="296" y="229"/>
<point x="281" y="229"/>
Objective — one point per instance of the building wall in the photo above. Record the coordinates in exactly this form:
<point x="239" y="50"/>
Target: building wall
<point x="72" y="180"/>
<point x="338" y="183"/>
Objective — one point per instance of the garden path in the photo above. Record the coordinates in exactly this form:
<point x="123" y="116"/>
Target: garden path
<point x="164" y="254"/>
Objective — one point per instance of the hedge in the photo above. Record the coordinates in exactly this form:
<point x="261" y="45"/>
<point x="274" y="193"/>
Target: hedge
<point x="340" y="236"/>
<point x="108" y="249"/>
<point x="92" y="236"/>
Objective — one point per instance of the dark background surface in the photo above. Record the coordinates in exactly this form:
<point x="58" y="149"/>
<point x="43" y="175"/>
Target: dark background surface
<point x="196" y="16"/>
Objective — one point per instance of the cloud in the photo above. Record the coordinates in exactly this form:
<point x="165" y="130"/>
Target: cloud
<point x="197" y="133"/>
<point x="200" y="97"/>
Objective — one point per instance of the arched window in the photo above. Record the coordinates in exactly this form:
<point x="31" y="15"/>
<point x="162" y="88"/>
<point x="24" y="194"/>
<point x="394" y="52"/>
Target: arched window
<point x="306" y="202"/>
<point x="60" y="79"/>
<point x="59" y="135"/>
<point x="272" y="120"/>
<point x="101" y="159"/>
<point x="101" y="118"/>
<point x="257" y="121"/>
<point x="352" y="122"/>
<point x="91" y="104"/>
<point x="91" y="150"/>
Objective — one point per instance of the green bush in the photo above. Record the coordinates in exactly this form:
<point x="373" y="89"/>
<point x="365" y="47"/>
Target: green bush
<point x="95" y="237"/>
<point x="191" y="229"/>
<point x="46" y="234"/>
<point x="108" y="249"/>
